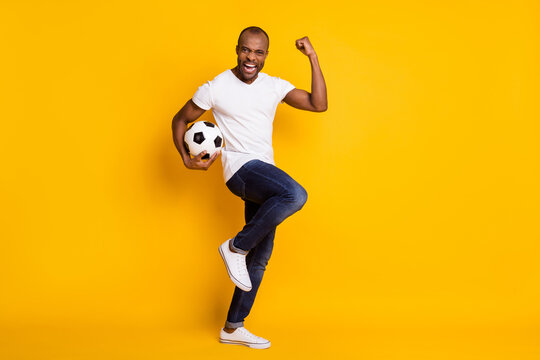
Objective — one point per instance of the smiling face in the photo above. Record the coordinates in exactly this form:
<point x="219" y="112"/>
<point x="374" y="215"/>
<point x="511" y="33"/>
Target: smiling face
<point x="252" y="50"/>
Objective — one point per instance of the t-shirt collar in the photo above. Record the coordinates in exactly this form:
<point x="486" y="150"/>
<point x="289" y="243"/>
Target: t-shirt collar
<point x="254" y="81"/>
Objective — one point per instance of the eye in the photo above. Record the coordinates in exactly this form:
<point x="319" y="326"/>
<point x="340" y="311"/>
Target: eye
<point x="245" y="50"/>
<point x="259" y="52"/>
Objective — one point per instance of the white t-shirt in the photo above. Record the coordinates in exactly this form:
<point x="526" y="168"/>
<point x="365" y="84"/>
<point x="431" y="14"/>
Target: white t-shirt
<point x="245" y="114"/>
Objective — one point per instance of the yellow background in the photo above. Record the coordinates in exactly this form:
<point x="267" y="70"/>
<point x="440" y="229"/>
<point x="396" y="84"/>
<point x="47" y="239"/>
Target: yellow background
<point x="420" y="237"/>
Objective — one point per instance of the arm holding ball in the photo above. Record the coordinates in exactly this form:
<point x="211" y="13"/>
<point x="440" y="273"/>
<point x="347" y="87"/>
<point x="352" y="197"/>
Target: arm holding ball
<point x="189" y="113"/>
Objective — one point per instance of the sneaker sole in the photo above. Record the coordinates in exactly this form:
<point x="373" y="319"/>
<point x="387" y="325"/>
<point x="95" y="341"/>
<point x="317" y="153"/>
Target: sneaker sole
<point x="251" y="345"/>
<point x="236" y="282"/>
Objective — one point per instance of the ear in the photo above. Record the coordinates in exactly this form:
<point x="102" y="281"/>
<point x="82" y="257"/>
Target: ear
<point x="237" y="49"/>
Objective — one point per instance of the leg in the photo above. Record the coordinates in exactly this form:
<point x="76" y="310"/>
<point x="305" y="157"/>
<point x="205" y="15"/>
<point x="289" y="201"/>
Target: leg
<point x="256" y="261"/>
<point x="278" y="195"/>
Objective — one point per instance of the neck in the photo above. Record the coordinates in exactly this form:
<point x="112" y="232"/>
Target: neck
<point x="236" y="73"/>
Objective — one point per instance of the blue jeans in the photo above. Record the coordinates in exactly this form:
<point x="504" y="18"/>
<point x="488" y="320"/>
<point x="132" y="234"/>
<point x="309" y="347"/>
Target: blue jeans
<point x="270" y="196"/>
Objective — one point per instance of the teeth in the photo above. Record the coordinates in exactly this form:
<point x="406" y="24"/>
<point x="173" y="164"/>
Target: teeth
<point x="247" y="65"/>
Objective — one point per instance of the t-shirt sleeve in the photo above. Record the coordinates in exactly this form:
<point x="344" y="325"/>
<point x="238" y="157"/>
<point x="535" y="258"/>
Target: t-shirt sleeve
<point x="203" y="97"/>
<point x="283" y="88"/>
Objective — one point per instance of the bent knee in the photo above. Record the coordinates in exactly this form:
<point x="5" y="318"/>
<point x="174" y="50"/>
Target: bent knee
<point x="300" y="197"/>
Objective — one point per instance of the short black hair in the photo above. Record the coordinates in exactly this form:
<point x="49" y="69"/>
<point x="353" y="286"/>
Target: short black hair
<point x="255" y="30"/>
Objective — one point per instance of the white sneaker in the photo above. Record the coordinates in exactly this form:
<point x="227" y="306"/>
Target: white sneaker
<point x="241" y="336"/>
<point x="236" y="266"/>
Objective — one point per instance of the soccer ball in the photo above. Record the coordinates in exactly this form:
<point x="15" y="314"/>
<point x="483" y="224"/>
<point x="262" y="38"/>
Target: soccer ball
<point x="203" y="135"/>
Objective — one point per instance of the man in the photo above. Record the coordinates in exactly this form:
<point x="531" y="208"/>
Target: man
<point x="244" y="102"/>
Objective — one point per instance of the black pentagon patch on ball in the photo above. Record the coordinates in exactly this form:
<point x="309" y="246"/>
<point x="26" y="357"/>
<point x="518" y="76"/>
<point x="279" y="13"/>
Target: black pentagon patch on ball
<point x="198" y="138"/>
<point x="209" y="124"/>
<point x="205" y="157"/>
<point x="217" y="141"/>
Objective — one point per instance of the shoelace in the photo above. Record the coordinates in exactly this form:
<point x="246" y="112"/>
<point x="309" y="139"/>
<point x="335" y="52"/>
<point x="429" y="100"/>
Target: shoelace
<point x="241" y="264"/>
<point x="248" y="334"/>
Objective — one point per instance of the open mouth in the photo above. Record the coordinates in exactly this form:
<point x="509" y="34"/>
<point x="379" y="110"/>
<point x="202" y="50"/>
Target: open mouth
<point x="250" y="68"/>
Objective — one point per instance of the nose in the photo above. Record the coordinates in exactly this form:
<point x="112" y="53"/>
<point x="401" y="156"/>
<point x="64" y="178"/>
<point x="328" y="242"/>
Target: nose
<point x="251" y="56"/>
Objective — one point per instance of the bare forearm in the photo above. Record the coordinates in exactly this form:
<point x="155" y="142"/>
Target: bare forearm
<point x="318" y="96"/>
<point x="179" y="127"/>
<point x="189" y="113"/>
